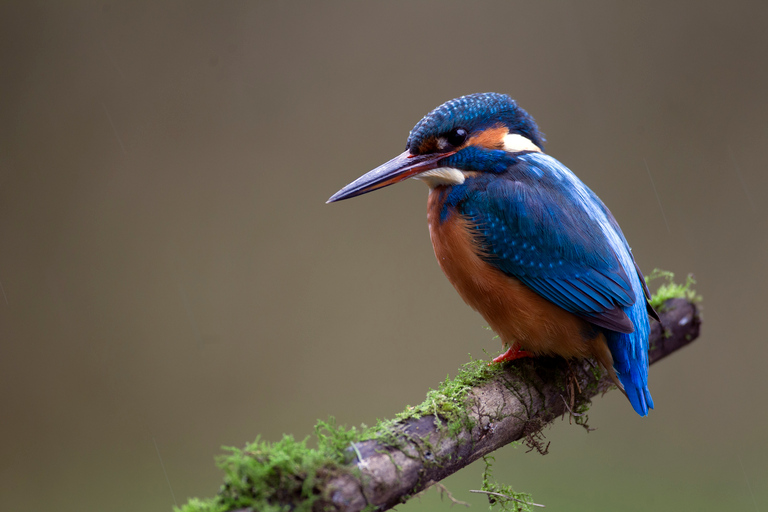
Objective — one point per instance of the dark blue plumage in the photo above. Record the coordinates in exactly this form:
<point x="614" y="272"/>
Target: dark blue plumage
<point x="477" y="110"/>
<point x="523" y="240"/>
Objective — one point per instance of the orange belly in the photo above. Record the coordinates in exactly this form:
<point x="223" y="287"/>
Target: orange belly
<point x="515" y="312"/>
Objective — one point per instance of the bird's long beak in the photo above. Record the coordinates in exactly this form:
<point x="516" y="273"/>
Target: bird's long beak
<point x="403" y="166"/>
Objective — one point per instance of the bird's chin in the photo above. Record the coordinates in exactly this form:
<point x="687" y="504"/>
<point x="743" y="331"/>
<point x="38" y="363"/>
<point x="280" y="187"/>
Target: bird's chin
<point x="442" y="176"/>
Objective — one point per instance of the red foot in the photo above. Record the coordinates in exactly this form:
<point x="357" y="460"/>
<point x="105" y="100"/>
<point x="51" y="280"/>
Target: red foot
<point x="514" y="352"/>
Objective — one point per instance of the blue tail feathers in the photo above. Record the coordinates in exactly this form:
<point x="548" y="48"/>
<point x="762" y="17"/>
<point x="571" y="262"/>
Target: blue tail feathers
<point x="630" y="360"/>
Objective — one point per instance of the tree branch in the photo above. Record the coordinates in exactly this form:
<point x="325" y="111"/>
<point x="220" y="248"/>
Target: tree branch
<point x="514" y="406"/>
<point x="495" y="406"/>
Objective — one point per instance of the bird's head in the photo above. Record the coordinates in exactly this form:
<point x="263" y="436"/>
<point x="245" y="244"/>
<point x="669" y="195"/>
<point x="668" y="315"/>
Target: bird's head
<point x="462" y="137"/>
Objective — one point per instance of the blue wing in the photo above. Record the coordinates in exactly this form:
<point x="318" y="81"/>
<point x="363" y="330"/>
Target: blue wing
<point x="538" y="223"/>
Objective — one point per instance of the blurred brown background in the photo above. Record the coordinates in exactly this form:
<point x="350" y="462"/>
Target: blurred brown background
<point x="172" y="280"/>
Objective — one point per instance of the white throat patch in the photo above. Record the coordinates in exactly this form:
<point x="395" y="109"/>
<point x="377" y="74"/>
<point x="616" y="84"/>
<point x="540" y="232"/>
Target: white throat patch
<point x="514" y="143"/>
<point x="441" y="176"/>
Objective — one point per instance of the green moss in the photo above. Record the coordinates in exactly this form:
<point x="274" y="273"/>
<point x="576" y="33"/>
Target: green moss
<point x="198" y="505"/>
<point x="267" y="476"/>
<point x="447" y="402"/>
<point x="671" y="290"/>
<point x="503" y="496"/>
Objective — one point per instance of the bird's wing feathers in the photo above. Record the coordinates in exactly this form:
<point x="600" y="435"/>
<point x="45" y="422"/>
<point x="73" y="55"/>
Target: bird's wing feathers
<point x="546" y="237"/>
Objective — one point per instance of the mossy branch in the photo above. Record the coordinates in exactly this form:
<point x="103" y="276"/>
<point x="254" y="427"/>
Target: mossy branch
<point x="466" y="418"/>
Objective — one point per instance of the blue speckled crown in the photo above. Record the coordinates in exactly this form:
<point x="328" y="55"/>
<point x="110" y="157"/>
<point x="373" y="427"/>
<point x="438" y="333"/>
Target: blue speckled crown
<point x="474" y="112"/>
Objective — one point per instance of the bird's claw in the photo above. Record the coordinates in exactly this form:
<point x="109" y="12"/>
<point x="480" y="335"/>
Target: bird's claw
<point x="514" y="352"/>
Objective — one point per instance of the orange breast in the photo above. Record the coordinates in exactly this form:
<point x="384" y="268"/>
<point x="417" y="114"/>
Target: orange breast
<point x="515" y="312"/>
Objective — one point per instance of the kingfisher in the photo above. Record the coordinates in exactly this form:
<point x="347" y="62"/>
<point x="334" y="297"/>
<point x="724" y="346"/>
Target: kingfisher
<point x="524" y="241"/>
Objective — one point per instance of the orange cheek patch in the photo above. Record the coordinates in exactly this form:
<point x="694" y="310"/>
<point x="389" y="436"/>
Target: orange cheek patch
<point x="492" y="138"/>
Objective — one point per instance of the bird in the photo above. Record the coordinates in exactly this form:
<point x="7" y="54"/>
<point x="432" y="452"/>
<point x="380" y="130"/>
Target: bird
<point x="524" y="241"/>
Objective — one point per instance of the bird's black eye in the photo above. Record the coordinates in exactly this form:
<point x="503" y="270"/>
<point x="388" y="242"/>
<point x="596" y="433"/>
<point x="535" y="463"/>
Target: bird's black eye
<point x="457" y="137"/>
